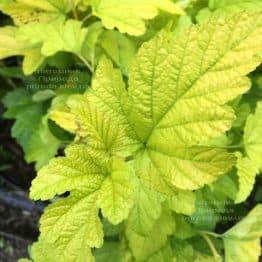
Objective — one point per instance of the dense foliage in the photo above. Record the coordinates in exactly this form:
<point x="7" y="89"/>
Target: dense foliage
<point x="153" y="110"/>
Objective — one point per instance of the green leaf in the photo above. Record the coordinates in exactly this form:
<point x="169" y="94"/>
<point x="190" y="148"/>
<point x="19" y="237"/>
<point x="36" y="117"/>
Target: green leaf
<point x="30" y="128"/>
<point x="131" y="22"/>
<point x="184" y="229"/>
<point x="60" y="133"/>
<point x="226" y="185"/>
<point x="163" y="255"/>
<point x="154" y="242"/>
<point x="242" y="112"/>
<point x="119" y="48"/>
<point x="209" y="206"/>
<point x="42" y="145"/>
<point x="253" y="136"/>
<point x="183" y="252"/>
<point x="43" y="95"/>
<point x="91" y="42"/>
<point x="242" y="242"/>
<point x="112" y="252"/>
<point x="246" y="171"/>
<point x="183" y="202"/>
<point x="12" y="72"/>
<point x="111" y="230"/>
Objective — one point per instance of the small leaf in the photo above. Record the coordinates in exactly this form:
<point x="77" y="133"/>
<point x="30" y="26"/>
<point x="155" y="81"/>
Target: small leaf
<point x="59" y="132"/>
<point x="43" y="95"/>
<point x="66" y="36"/>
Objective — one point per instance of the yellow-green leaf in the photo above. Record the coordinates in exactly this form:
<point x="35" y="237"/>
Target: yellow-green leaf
<point x="131" y="21"/>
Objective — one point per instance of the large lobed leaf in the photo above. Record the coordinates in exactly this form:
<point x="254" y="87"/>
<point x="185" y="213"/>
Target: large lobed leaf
<point x="178" y="88"/>
<point x="72" y="224"/>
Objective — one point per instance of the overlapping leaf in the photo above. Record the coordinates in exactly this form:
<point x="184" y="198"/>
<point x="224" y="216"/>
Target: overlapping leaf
<point x="155" y="243"/>
<point x="66" y="36"/>
<point x="132" y="21"/>
<point x="35" y="11"/>
<point x="253" y="136"/>
<point x="247" y="172"/>
<point x="30" y="128"/>
<point x="249" y="165"/>
<point x="11" y="46"/>
<point x="242" y="242"/>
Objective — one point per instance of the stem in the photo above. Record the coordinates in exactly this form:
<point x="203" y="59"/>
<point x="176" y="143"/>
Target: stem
<point x="211" y="246"/>
<point x="86" y="63"/>
<point x="4" y="167"/>
<point x="87" y="17"/>
<point x="238" y="146"/>
<point x="211" y="234"/>
<point x="74" y="10"/>
<point x="10" y="82"/>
